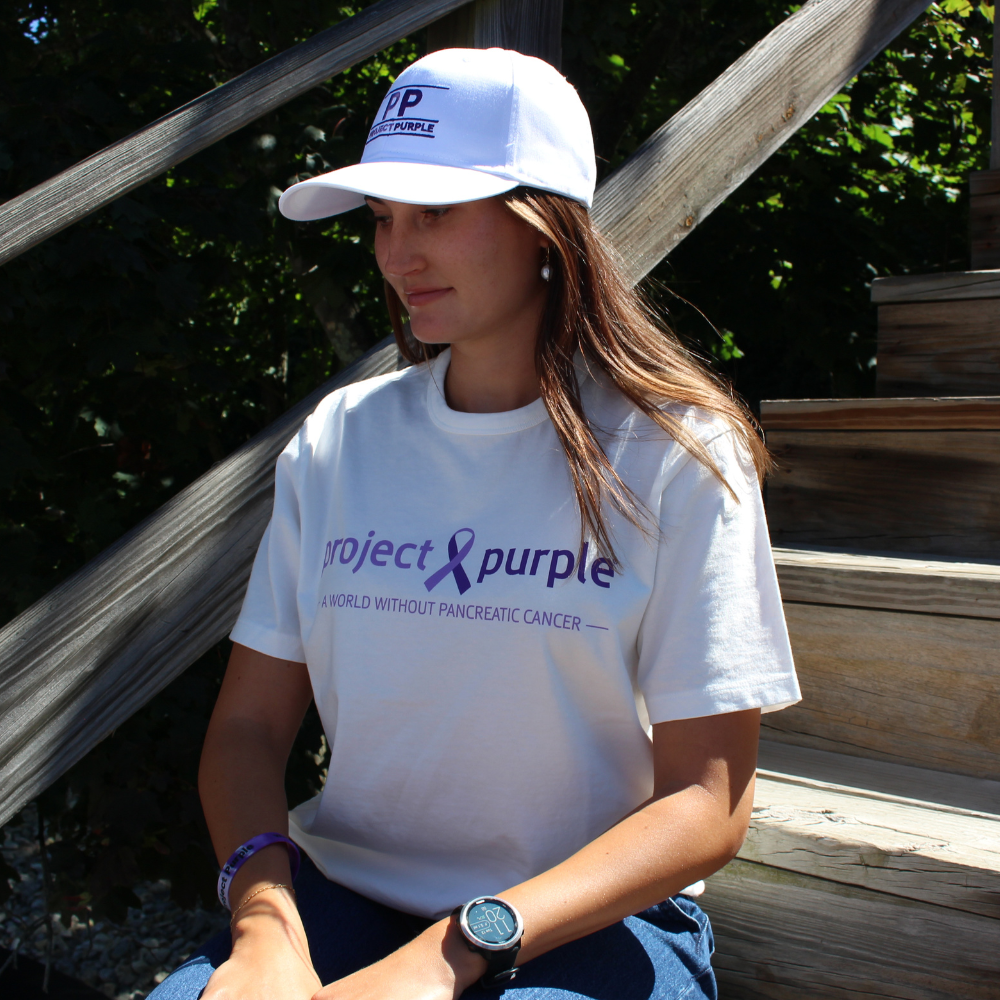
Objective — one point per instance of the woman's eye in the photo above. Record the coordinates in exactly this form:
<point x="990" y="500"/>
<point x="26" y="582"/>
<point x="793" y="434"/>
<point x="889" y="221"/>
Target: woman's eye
<point x="435" y="213"/>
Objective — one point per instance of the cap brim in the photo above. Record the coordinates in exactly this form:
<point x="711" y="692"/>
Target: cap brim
<point x="412" y="183"/>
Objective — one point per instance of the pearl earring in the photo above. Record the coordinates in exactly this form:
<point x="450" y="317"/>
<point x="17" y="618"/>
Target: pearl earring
<point x="546" y="269"/>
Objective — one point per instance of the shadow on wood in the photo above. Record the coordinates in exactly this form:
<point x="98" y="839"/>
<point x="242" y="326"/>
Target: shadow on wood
<point x="785" y="936"/>
<point x="949" y="348"/>
<point x="929" y="492"/>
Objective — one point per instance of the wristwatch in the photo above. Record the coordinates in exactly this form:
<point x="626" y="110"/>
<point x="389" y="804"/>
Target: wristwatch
<point x="493" y="929"/>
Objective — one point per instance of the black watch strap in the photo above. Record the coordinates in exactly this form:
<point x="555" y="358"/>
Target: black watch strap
<point x="499" y="965"/>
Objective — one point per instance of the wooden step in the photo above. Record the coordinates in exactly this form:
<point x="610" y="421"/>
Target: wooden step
<point x="894" y="686"/>
<point x="920" y="413"/>
<point x="947" y="286"/>
<point x="922" y="834"/>
<point x="860" y="879"/>
<point x="897" y="658"/>
<point x="938" y="334"/>
<point x="891" y="782"/>
<point x="893" y="583"/>
<point x="939" y="348"/>
<point x="900" y="475"/>
<point x="785" y="936"/>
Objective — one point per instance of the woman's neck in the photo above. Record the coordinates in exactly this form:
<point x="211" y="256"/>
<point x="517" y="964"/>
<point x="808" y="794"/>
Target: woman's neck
<point x="492" y="375"/>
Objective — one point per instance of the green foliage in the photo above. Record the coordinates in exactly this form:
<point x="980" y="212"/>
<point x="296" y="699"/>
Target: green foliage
<point x="156" y="336"/>
<point x="875" y="184"/>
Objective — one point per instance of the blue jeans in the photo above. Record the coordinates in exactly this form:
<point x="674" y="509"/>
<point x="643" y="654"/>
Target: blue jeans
<point x="663" y="953"/>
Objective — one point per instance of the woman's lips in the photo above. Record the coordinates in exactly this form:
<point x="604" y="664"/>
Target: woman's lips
<point x="425" y="296"/>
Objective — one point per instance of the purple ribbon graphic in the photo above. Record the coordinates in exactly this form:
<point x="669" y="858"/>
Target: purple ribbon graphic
<point x="454" y="564"/>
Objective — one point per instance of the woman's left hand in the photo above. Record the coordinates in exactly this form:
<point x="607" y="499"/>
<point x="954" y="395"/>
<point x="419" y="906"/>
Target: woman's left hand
<point x="436" y="965"/>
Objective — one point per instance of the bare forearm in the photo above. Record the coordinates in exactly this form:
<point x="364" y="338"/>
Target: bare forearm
<point x="242" y="791"/>
<point x="648" y="856"/>
<point x="695" y="822"/>
<point x="241" y="782"/>
<point x="653" y="853"/>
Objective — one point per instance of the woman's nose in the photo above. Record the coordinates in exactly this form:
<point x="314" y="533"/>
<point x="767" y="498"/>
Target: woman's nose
<point x="401" y="254"/>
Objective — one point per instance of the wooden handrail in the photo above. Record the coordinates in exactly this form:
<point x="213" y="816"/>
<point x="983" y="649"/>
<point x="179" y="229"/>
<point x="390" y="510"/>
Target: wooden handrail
<point x="95" y="649"/>
<point x="85" y="657"/>
<point x="94" y="182"/>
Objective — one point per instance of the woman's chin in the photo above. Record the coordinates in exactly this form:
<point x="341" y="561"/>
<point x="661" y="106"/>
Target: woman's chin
<point x="430" y="333"/>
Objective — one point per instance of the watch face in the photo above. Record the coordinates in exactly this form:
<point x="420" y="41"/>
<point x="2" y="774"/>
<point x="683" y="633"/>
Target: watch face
<point x="492" y="922"/>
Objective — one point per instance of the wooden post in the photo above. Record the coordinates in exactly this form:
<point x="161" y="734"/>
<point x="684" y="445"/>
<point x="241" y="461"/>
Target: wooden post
<point x="984" y="189"/>
<point x="455" y="31"/>
<point x="533" y="27"/>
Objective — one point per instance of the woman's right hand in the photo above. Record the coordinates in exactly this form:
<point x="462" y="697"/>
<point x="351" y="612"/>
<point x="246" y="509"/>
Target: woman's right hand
<point x="270" y="957"/>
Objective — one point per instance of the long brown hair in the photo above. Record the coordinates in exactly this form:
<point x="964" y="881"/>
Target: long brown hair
<point x="592" y="309"/>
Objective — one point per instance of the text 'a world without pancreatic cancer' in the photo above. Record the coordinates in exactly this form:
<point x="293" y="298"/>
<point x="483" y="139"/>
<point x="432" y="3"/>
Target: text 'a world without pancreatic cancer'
<point x="550" y="565"/>
<point x="446" y="609"/>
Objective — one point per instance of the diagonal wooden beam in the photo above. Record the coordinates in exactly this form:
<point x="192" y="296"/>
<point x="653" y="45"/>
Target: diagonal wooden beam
<point x="98" y="180"/>
<point x="95" y="649"/>
<point x="85" y="657"/>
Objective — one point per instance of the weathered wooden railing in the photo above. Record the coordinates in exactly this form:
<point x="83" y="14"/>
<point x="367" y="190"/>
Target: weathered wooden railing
<point x="87" y="655"/>
<point x="99" y="179"/>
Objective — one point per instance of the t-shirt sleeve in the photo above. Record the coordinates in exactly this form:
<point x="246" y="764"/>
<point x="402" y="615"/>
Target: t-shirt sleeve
<point x="269" y="620"/>
<point x="713" y="637"/>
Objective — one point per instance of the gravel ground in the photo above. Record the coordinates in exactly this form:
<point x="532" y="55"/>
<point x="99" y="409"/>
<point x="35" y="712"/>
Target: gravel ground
<point x="124" y="962"/>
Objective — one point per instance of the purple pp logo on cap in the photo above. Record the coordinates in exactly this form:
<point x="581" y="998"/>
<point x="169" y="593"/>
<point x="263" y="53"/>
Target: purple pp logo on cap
<point x="460" y="125"/>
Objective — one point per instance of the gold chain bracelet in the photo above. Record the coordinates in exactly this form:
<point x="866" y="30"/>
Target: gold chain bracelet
<point x="263" y="888"/>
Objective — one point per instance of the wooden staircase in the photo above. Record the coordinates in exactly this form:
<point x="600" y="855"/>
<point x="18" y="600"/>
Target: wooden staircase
<point x="860" y="879"/>
<point x="872" y="867"/>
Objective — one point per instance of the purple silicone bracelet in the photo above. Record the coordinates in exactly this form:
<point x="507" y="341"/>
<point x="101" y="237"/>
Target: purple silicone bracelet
<point x="248" y="850"/>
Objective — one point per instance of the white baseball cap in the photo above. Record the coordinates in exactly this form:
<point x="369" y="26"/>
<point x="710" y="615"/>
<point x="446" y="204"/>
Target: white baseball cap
<point x="460" y="125"/>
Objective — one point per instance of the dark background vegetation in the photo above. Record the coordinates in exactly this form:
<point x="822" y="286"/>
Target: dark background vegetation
<point x="150" y="340"/>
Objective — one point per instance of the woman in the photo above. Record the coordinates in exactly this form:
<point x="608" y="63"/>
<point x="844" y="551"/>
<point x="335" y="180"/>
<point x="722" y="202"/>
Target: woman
<point x="528" y="583"/>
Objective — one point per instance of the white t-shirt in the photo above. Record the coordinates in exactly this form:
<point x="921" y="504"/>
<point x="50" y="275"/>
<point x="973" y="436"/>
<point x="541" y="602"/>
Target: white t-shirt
<point x="484" y="692"/>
